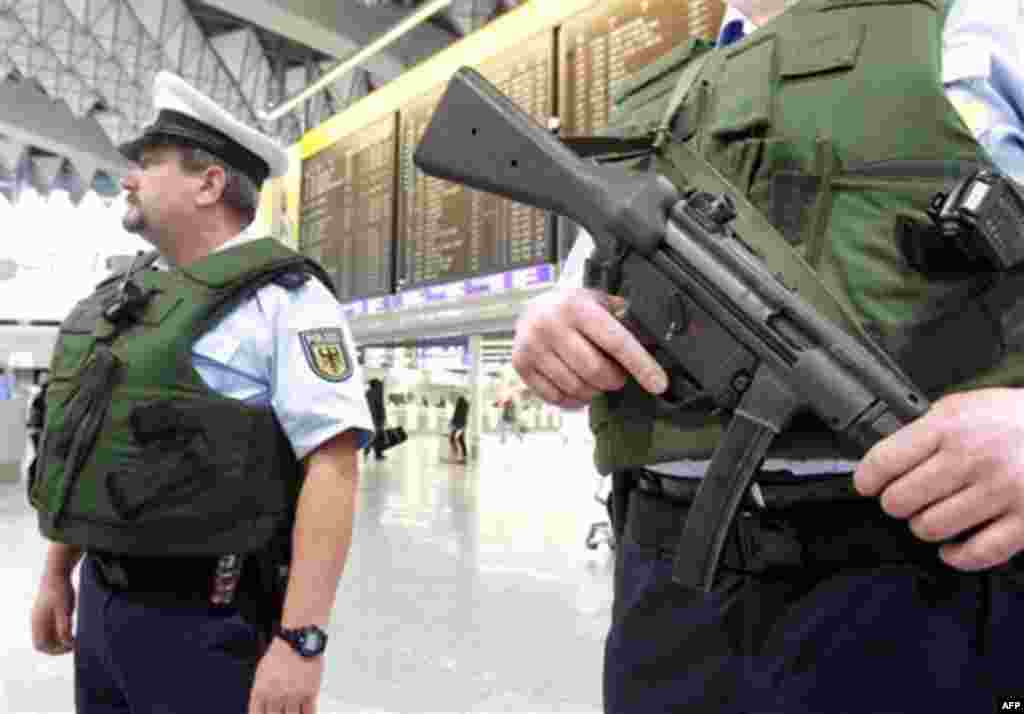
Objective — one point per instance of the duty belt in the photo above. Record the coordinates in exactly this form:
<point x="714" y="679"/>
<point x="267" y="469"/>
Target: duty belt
<point x="188" y="579"/>
<point x="800" y="540"/>
<point x="768" y="491"/>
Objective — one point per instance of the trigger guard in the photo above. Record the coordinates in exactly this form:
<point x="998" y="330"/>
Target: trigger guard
<point x="682" y="391"/>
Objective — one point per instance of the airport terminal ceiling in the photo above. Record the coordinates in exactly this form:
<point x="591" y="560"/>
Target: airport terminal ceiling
<point x="100" y="56"/>
<point x="406" y="251"/>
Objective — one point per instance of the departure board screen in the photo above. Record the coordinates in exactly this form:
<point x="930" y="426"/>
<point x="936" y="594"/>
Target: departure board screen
<point x="447" y="231"/>
<point x="614" y="40"/>
<point x="347" y="209"/>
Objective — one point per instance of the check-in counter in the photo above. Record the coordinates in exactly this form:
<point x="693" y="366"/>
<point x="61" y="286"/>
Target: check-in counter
<point x="550" y="418"/>
<point x="440" y="418"/>
<point x="528" y="418"/>
<point x="12" y="436"/>
<point x="397" y="417"/>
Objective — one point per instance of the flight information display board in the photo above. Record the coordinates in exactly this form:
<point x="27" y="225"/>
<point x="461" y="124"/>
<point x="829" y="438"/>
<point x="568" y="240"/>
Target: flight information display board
<point x="447" y="231"/>
<point x="347" y="209"/>
<point x="614" y="40"/>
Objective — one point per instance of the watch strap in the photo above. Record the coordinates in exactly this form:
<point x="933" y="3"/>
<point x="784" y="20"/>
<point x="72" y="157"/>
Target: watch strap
<point x="309" y="641"/>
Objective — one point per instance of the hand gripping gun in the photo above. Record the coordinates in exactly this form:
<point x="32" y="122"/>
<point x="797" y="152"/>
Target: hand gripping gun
<point x="720" y="322"/>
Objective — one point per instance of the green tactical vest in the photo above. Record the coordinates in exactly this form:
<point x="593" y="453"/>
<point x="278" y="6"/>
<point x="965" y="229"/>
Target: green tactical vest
<point x="833" y="123"/>
<point x="139" y="456"/>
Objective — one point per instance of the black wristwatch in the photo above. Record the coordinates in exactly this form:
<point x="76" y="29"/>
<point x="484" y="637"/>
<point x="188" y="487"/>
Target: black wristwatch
<point x="308" y="641"/>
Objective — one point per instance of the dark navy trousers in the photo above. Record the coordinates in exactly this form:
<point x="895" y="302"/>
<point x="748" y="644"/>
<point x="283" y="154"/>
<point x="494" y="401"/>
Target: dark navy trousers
<point x="141" y="653"/>
<point x="895" y="638"/>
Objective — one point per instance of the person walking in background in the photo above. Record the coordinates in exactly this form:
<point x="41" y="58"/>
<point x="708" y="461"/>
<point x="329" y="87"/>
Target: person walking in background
<point x="7" y="384"/>
<point x="379" y="414"/>
<point x="457" y="430"/>
<point x="509" y="419"/>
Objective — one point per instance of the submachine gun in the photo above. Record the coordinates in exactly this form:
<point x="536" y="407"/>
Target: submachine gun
<point x="720" y="322"/>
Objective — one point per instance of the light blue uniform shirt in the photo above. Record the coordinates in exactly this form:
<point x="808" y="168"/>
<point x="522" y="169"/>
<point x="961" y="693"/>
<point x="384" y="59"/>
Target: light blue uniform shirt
<point x="983" y="71"/>
<point x="255" y="355"/>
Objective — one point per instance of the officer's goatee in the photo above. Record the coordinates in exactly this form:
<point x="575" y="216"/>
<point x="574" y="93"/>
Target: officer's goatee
<point x="134" y="221"/>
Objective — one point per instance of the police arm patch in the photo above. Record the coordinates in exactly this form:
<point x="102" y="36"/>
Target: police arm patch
<point x="327" y="354"/>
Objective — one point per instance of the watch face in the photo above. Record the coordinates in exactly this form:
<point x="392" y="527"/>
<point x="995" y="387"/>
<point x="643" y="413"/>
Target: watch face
<point x="313" y="641"/>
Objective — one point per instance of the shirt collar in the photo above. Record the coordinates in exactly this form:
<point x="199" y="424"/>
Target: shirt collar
<point x="735" y="26"/>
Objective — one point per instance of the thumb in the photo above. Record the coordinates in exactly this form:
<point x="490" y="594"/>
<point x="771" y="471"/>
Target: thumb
<point x="63" y="618"/>
<point x="614" y="304"/>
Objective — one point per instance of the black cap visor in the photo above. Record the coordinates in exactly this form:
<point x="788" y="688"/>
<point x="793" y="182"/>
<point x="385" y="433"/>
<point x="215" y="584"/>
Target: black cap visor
<point x="173" y="127"/>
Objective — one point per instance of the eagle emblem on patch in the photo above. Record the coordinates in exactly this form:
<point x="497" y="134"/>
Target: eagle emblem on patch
<point x="326" y="354"/>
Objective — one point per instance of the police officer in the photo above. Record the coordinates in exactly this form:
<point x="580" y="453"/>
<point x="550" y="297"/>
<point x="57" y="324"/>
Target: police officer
<point x="888" y="584"/>
<point x="203" y="422"/>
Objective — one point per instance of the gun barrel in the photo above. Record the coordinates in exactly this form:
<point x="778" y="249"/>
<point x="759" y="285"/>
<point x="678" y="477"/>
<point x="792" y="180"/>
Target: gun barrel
<point x="771" y="310"/>
<point x="780" y="326"/>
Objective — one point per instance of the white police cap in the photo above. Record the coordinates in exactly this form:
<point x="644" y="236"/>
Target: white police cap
<point x="187" y="116"/>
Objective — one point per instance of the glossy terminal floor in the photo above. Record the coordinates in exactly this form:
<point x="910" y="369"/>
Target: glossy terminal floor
<point x="468" y="589"/>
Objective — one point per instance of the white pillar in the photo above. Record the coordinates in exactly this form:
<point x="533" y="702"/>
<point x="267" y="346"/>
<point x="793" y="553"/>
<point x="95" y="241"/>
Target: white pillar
<point x="476" y="395"/>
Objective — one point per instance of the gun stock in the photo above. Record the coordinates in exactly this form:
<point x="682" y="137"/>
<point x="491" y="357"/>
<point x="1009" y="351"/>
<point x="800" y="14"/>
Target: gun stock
<point x="480" y="138"/>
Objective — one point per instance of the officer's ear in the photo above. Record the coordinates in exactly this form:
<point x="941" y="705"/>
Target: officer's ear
<point x="213" y="181"/>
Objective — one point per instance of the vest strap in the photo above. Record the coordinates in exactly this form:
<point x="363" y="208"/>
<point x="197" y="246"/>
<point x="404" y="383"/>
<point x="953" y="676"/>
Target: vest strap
<point x="654" y="72"/>
<point x="288" y="272"/>
<point x="683" y="84"/>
